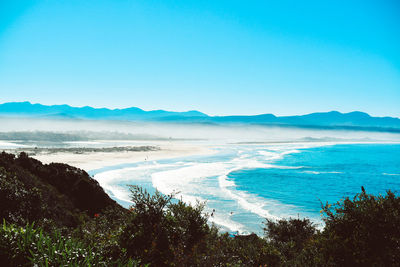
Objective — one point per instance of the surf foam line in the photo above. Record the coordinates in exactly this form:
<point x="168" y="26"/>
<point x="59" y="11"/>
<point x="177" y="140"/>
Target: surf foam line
<point x="11" y="145"/>
<point x="248" y="201"/>
<point x="321" y="172"/>
<point x="187" y="177"/>
<point x="111" y="180"/>
<point x="188" y="182"/>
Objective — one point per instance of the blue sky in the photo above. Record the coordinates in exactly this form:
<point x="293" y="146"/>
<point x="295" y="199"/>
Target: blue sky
<point x="219" y="57"/>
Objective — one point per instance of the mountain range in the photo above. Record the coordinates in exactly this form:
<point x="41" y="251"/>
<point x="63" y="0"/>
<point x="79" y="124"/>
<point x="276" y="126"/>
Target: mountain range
<point x="333" y="119"/>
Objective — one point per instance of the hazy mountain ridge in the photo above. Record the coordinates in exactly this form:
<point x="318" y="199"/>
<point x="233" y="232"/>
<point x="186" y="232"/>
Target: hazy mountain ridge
<point x="133" y="113"/>
<point x="323" y="119"/>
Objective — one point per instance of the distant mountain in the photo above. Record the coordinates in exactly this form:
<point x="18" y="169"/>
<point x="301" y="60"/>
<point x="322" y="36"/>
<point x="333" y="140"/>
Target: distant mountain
<point x="66" y="111"/>
<point x="328" y="120"/>
<point x="334" y="119"/>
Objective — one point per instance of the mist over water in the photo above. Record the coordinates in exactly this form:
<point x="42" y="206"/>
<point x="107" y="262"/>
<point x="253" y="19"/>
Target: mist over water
<point x="234" y="133"/>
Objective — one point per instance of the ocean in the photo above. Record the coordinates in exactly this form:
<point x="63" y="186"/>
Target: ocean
<point x="242" y="184"/>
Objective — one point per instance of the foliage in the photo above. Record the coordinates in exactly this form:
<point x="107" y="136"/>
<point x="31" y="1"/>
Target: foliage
<point x="241" y="250"/>
<point x="167" y="233"/>
<point x="162" y="232"/>
<point x="103" y="232"/>
<point x="25" y="246"/>
<point x="17" y="202"/>
<point x="48" y="194"/>
<point x="77" y="224"/>
<point x="362" y="231"/>
<point x="289" y="236"/>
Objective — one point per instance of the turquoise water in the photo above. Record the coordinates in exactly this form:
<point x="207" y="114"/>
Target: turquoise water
<point x="244" y="184"/>
<point x="324" y="174"/>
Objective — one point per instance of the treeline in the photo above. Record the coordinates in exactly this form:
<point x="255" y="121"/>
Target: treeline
<point x="82" y="150"/>
<point x="56" y="215"/>
<point x="42" y="136"/>
<point x="71" y="136"/>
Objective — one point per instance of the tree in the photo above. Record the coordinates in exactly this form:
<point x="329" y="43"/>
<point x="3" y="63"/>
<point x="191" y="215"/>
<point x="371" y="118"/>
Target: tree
<point x="289" y="236"/>
<point x="161" y="232"/>
<point x="364" y="231"/>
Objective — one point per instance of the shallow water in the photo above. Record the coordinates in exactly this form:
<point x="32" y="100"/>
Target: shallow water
<point x="243" y="184"/>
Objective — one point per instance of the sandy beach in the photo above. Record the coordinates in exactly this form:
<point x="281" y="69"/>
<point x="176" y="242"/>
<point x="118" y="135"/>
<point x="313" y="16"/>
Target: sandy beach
<point x="95" y="160"/>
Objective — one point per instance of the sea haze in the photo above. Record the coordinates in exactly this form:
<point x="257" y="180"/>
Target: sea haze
<point x="254" y="171"/>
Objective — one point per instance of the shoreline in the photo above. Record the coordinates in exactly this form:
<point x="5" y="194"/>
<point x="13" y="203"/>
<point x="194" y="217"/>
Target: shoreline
<point x="97" y="160"/>
<point x="111" y="179"/>
<point x="111" y="167"/>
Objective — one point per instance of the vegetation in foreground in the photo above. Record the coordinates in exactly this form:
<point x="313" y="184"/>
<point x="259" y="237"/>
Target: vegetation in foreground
<point x="56" y="215"/>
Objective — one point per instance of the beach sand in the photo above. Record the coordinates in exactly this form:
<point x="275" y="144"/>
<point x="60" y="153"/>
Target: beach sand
<point x="96" y="160"/>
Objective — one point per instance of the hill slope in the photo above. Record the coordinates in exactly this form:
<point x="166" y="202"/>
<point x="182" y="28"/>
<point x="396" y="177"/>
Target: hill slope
<point x="32" y="191"/>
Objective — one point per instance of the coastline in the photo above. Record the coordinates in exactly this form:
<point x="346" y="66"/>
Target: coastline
<point x="187" y="177"/>
<point x="183" y="167"/>
<point x="96" y="160"/>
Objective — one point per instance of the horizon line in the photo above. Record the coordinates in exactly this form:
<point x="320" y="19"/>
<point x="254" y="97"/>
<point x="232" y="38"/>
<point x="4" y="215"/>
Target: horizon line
<point x="195" y="110"/>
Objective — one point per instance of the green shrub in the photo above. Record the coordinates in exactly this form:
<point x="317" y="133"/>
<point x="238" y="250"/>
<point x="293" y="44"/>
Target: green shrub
<point x="363" y="231"/>
<point x="18" y="203"/>
<point x="57" y="193"/>
<point x="28" y="246"/>
<point x="289" y="236"/>
<point x="103" y="232"/>
<point x="164" y="233"/>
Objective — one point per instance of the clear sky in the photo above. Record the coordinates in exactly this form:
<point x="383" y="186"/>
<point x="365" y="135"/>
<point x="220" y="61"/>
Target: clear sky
<point x="219" y="57"/>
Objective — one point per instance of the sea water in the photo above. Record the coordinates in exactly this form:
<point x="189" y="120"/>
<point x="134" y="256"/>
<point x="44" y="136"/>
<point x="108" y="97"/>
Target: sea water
<point x="242" y="185"/>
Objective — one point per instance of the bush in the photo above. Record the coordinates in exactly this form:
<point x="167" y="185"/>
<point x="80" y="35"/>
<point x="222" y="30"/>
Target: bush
<point x="18" y="203"/>
<point x="49" y="195"/>
<point x="289" y="236"/>
<point x="362" y="231"/>
<point x="27" y="246"/>
<point x="164" y="233"/>
<point x="30" y="246"/>
<point x="103" y="232"/>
